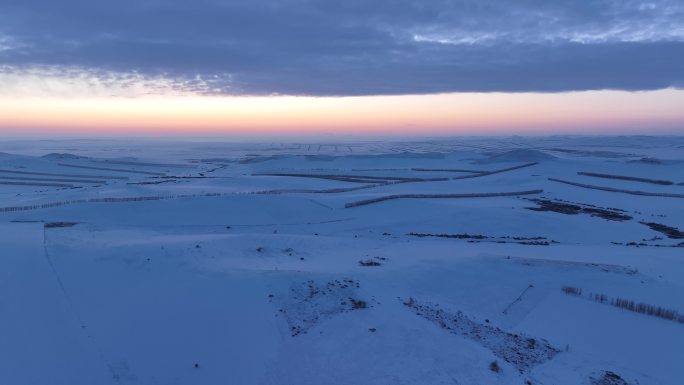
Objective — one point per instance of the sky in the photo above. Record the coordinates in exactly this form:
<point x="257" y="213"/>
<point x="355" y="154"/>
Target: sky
<point x="355" y="66"/>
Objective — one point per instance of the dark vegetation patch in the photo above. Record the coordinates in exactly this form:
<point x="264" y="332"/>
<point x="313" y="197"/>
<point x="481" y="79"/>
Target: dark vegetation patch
<point x="65" y="155"/>
<point x="643" y="244"/>
<point x="108" y="200"/>
<point x="606" y="268"/>
<point x="383" y="180"/>
<point x="647" y="160"/>
<point x="594" y="153"/>
<point x="618" y="190"/>
<point x="608" y="378"/>
<point x="375" y="261"/>
<point x="36" y="184"/>
<point x="355" y="178"/>
<point x="369" y="262"/>
<point x="571" y="290"/>
<point x="110" y="169"/>
<point x="440" y="196"/>
<point x="494" y="367"/>
<point x="358" y="304"/>
<point x="51" y="180"/>
<point x="61" y="175"/>
<point x="624" y="177"/>
<point x="523" y="352"/>
<point x="669" y="231"/>
<point x="518" y="154"/>
<point x="450" y="170"/>
<point x="255" y="158"/>
<point x="200" y="176"/>
<point x="457" y="236"/>
<point x="476" y="238"/>
<point x="590" y="205"/>
<point x="486" y="173"/>
<point x="154" y="182"/>
<point x="309" y="302"/>
<point x="51" y="225"/>
<point x="574" y="209"/>
<point x="381" y="169"/>
<point x="148" y="164"/>
<point x="637" y="307"/>
<point x="321" y="191"/>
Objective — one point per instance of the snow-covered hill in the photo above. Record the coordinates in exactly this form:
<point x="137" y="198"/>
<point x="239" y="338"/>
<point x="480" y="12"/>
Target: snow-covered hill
<point x="436" y="261"/>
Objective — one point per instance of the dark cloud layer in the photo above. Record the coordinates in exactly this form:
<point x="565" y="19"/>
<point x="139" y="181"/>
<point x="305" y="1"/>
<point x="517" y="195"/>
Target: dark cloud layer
<point x="357" y="47"/>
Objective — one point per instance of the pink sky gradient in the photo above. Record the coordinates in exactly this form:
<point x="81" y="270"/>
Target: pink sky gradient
<point x="584" y="112"/>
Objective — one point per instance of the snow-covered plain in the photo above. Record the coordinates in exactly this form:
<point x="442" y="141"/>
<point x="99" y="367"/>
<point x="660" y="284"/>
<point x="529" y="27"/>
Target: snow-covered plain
<point x="196" y="262"/>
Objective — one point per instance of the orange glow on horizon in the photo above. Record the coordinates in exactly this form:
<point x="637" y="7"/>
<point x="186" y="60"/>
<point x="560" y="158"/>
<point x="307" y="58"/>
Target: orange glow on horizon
<point x="473" y="113"/>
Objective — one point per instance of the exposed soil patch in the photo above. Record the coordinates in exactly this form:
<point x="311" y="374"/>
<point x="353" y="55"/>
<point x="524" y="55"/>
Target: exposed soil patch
<point x="574" y="209"/>
<point x="523" y="352"/>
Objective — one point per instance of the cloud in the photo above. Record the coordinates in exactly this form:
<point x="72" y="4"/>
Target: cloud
<point x="7" y="43"/>
<point x="355" y="47"/>
<point x="77" y="82"/>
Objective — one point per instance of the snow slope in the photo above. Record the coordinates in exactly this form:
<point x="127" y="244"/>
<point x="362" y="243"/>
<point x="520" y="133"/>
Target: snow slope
<point x="207" y="263"/>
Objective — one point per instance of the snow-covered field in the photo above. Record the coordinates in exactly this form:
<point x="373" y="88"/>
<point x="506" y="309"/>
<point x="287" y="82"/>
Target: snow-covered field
<point x="443" y="261"/>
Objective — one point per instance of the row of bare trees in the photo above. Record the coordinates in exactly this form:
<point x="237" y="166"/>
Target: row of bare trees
<point x="627" y="304"/>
